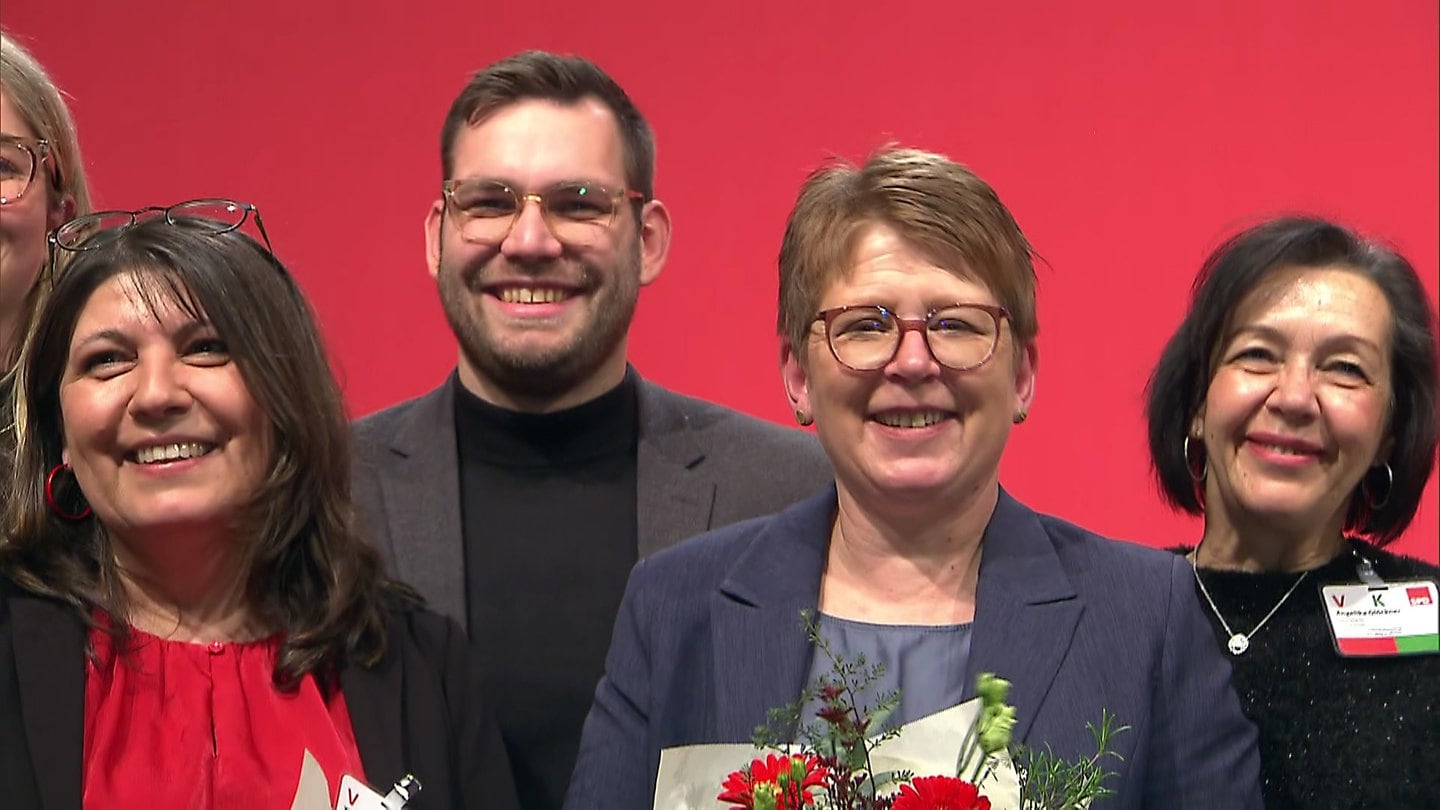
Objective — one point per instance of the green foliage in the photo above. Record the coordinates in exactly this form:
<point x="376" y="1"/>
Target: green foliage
<point x="1050" y="783"/>
<point x="845" y="731"/>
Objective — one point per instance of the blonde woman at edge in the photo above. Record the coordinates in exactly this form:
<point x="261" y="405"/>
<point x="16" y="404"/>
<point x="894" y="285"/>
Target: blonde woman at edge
<point x="42" y="185"/>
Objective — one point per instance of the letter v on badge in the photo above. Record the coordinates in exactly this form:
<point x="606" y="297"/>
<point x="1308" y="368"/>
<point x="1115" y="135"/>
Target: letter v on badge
<point x="1389" y="619"/>
<point x="356" y="795"/>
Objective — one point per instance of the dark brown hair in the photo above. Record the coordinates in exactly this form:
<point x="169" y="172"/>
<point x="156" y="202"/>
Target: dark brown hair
<point x="1180" y="381"/>
<point x="562" y="79"/>
<point x="310" y="575"/>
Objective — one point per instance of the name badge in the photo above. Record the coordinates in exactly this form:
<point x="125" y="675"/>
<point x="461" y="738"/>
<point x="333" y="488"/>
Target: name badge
<point x="1391" y="619"/>
<point x="356" y="795"/>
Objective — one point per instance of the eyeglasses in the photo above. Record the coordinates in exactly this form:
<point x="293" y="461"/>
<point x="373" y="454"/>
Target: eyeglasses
<point x="214" y="216"/>
<point x="102" y="227"/>
<point x="960" y="337"/>
<point x="578" y="214"/>
<point x="18" y="159"/>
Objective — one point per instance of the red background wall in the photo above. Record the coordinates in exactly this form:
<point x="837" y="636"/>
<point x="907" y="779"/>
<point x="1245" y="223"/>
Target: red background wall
<point x="1128" y="137"/>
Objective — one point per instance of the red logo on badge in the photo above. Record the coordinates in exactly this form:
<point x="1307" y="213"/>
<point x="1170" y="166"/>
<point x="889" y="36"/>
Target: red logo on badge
<point x="1418" y="596"/>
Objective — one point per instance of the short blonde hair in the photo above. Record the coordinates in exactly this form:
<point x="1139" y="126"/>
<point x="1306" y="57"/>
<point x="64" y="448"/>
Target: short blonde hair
<point x="938" y="205"/>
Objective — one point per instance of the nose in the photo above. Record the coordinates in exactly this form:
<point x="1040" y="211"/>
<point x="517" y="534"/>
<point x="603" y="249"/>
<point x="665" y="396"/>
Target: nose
<point x="160" y="389"/>
<point x="530" y="235"/>
<point x="912" y="360"/>
<point x="1294" y="391"/>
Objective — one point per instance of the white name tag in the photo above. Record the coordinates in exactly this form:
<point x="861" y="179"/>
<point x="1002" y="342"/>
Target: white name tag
<point x="356" y="795"/>
<point x="1397" y="618"/>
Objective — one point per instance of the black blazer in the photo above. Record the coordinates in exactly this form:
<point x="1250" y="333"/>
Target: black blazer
<point x="420" y="710"/>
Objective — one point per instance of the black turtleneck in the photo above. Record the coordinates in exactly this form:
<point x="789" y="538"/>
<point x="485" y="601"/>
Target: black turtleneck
<point x="548" y="502"/>
<point x="1334" y="732"/>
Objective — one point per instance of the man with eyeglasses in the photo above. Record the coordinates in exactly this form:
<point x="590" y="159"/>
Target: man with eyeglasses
<point x="517" y="496"/>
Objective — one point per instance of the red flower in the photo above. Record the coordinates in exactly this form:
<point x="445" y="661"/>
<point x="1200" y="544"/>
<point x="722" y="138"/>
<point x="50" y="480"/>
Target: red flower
<point x="940" y="793"/>
<point x="781" y="774"/>
<point x="838" y="716"/>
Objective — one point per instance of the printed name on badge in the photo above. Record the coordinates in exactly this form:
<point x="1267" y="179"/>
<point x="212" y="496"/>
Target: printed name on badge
<point x="1397" y="618"/>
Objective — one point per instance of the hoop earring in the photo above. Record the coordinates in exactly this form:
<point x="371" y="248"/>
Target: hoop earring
<point x="1189" y="467"/>
<point x="803" y="419"/>
<point x="1020" y="417"/>
<point x="55" y="505"/>
<point x="1389" y="488"/>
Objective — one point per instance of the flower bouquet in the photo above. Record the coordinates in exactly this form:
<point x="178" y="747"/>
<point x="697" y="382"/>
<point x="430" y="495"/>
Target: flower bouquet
<point x="847" y="757"/>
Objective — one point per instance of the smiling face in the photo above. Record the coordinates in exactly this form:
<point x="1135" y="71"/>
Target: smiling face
<point x="912" y="434"/>
<point x="1296" y="412"/>
<point x="542" y="324"/>
<point x="159" y="426"/>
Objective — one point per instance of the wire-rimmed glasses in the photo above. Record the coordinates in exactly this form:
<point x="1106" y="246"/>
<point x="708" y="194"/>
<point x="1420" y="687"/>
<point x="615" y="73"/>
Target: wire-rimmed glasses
<point x="212" y="215"/>
<point x="960" y="337"/>
<point x="19" y="160"/>
<point x="577" y="213"/>
<point x="102" y="227"/>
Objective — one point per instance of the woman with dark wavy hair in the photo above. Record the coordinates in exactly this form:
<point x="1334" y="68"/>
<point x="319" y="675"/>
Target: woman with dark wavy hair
<point x="188" y="617"/>
<point x="1295" y="410"/>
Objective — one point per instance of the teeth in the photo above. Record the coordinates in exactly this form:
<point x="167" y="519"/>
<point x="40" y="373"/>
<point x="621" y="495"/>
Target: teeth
<point x="170" y="452"/>
<point x="912" y="419"/>
<point x="526" y="295"/>
<point x="1284" y="451"/>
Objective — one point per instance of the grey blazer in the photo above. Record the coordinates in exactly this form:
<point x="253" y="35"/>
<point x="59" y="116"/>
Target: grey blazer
<point x="700" y="466"/>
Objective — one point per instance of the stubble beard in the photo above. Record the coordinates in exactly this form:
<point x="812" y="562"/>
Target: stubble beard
<point x="527" y="373"/>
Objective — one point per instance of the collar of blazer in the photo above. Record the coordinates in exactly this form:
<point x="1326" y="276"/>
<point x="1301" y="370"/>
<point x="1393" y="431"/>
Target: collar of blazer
<point x="1026" y="609"/>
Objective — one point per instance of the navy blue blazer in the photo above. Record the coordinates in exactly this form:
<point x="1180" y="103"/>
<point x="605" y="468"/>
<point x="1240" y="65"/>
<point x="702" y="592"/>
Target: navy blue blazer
<point x="709" y="638"/>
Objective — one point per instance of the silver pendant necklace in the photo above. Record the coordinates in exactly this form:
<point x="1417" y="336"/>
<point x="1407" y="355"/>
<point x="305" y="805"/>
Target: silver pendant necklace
<point x="1239" y="642"/>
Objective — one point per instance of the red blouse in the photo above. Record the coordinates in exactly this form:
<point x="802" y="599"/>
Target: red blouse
<point x="171" y="724"/>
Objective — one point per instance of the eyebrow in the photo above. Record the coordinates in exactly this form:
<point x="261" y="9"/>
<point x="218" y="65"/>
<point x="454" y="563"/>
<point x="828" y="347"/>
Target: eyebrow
<point x="186" y="330"/>
<point x="511" y="184"/>
<point x="112" y="335"/>
<point x="1271" y="333"/>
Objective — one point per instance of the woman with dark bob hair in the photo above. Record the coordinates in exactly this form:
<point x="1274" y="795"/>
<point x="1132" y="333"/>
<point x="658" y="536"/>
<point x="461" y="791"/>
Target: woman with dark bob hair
<point x="1295" y="410"/>
<point x="188" y="617"/>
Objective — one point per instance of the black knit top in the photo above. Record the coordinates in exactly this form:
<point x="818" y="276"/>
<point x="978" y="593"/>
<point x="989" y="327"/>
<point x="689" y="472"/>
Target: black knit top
<point x="1334" y="732"/>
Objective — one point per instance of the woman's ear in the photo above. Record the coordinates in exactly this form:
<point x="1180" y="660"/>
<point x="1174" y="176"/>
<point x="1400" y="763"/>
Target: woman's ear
<point x="1029" y="362"/>
<point x="797" y="384"/>
<point x="61" y="212"/>
<point x="1197" y="424"/>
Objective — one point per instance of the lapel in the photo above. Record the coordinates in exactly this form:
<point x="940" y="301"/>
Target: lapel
<point x="421" y="487"/>
<point x="1026" y="610"/>
<point x="374" y="698"/>
<point x="50" y="668"/>
<point x="761" y="654"/>
<point x="675" y="495"/>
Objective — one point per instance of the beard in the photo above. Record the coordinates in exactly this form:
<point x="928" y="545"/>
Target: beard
<point x="544" y="372"/>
